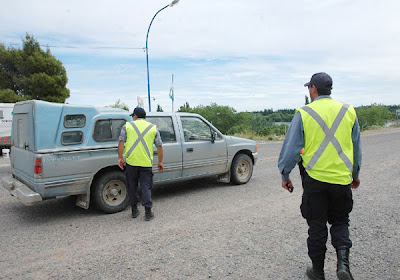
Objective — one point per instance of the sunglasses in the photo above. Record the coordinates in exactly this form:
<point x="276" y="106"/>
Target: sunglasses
<point x="309" y="86"/>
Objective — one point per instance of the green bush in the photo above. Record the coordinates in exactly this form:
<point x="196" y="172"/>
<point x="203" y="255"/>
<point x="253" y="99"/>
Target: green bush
<point x="373" y="115"/>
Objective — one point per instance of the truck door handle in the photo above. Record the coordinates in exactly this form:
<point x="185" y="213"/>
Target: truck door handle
<point x="189" y="150"/>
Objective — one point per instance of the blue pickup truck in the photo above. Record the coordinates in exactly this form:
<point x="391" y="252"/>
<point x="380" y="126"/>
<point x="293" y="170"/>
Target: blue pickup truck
<point x="61" y="149"/>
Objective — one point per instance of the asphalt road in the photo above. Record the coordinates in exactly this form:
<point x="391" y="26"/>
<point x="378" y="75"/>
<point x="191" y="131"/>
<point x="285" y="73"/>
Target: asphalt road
<point x="206" y="230"/>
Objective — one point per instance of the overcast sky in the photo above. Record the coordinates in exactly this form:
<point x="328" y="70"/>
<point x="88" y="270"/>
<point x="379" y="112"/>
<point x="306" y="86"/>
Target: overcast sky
<point x="250" y="55"/>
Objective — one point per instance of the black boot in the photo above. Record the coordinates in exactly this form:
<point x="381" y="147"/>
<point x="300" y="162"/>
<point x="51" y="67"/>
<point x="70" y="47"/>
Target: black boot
<point x="135" y="211"/>
<point x="343" y="264"/>
<point x="148" y="215"/>
<point x="316" y="272"/>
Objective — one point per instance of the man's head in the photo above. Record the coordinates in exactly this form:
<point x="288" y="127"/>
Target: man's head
<point x="139" y="113"/>
<point x="322" y="82"/>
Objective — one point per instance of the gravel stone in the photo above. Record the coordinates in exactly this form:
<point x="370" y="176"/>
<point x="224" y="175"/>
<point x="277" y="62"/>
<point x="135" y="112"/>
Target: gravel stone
<point x="207" y="230"/>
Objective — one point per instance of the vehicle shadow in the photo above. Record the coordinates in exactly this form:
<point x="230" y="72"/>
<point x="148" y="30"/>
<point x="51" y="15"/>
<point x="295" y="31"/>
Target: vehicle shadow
<point x="65" y="208"/>
<point x="52" y="209"/>
<point x="186" y="187"/>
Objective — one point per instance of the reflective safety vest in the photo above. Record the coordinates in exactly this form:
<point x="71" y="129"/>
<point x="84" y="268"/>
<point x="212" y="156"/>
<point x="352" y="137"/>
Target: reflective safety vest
<point x="140" y="136"/>
<point x="328" y="147"/>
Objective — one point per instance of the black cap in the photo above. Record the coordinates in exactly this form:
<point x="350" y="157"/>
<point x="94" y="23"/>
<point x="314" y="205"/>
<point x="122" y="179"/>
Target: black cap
<point x="139" y="112"/>
<point x="320" y="81"/>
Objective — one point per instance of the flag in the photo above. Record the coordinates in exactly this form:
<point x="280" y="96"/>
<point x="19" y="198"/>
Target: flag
<point x="140" y="102"/>
<point x="171" y="93"/>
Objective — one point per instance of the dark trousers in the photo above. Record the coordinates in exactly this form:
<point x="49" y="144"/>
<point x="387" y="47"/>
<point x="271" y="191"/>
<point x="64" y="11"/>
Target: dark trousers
<point x="144" y="175"/>
<point x="322" y="203"/>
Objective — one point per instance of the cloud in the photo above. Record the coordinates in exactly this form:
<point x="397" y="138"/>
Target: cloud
<point x="249" y="55"/>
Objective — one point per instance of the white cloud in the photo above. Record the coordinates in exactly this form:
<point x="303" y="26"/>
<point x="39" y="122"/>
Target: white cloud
<point x="249" y="55"/>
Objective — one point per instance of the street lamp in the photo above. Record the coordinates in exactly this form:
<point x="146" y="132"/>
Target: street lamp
<point x="216" y="115"/>
<point x="173" y="3"/>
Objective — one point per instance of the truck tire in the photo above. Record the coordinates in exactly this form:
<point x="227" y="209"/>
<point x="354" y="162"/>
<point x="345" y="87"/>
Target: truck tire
<point x="241" y="169"/>
<point x="110" y="192"/>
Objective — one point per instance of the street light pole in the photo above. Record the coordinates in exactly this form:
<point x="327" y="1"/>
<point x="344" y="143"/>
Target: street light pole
<point x="147" y="51"/>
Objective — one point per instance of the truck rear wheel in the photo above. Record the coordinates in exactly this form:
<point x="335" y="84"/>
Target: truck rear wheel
<point x="242" y="169"/>
<point x="110" y="192"/>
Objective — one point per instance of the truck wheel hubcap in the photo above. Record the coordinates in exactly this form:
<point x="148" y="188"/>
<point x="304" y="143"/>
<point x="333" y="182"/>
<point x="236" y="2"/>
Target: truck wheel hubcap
<point x="114" y="192"/>
<point x="243" y="169"/>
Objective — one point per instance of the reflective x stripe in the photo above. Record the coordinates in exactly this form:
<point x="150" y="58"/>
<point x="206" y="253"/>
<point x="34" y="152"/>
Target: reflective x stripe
<point x="140" y="139"/>
<point x="329" y="136"/>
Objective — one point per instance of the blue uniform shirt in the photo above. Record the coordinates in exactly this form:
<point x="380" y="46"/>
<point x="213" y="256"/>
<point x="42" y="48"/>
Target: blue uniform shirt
<point x="294" y="142"/>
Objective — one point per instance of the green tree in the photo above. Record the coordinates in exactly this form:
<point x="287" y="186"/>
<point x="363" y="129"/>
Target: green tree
<point x="258" y="122"/>
<point x="393" y="108"/>
<point x="185" y="108"/>
<point x="243" y="123"/>
<point x="222" y="117"/>
<point x="159" y="108"/>
<point x="375" y="114"/>
<point x="9" y="96"/>
<point x="121" y="105"/>
<point x="32" y="73"/>
<point x="282" y="115"/>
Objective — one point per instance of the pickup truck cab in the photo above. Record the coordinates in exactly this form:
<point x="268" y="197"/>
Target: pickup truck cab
<point x="61" y="149"/>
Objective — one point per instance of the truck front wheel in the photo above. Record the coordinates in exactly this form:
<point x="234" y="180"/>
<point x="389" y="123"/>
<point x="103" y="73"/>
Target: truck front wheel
<point x="110" y="193"/>
<point x="242" y="169"/>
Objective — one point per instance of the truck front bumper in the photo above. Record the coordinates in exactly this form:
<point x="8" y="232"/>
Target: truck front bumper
<point x="255" y="156"/>
<point x="21" y="191"/>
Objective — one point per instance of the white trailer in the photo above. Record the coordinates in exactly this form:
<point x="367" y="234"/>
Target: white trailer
<point x="6" y="115"/>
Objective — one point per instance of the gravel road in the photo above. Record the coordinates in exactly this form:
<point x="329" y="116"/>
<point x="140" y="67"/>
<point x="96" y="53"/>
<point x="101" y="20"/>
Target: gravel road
<point x="206" y="230"/>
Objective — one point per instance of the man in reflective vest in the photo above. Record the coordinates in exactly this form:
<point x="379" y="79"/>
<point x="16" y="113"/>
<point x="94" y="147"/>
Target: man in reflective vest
<point x="137" y="138"/>
<point x="329" y="166"/>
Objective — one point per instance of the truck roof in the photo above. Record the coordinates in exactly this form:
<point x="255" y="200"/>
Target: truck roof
<point x="46" y="121"/>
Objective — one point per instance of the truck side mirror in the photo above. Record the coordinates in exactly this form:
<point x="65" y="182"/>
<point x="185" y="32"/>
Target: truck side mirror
<point x="213" y="136"/>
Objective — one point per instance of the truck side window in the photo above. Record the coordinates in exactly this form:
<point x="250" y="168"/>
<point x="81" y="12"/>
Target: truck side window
<point x="194" y="129"/>
<point x="71" y="137"/>
<point x="165" y="127"/>
<point x="20" y="141"/>
<point x="116" y="127"/>
<point x="108" y="130"/>
<point x="74" y="121"/>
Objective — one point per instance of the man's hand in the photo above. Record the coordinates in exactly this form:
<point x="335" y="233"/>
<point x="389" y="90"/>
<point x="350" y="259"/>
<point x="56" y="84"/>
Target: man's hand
<point x="160" y="154"/>
<point x="288" y="185"/>
<point x="121" y="163"/>
<point x="355" y="184"/>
